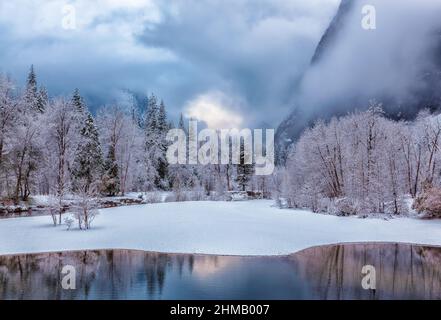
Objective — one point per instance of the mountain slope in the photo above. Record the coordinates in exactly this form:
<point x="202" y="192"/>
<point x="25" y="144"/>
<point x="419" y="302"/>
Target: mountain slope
<point x="331" y="32"/>
<point x="398" y="64"/>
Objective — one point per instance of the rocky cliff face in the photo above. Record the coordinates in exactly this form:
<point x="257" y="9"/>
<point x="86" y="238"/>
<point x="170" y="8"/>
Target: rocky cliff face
<point x="411" y="73"/>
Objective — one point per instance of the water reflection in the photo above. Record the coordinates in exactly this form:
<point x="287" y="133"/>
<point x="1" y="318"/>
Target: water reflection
<point x="402" y="271"/>
<point x="330" y="272"/>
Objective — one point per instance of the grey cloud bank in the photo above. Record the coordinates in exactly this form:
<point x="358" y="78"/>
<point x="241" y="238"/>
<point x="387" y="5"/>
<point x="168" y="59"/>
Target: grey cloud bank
<point x="252" y="52"/>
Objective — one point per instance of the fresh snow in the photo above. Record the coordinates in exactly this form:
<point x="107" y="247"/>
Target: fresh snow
<point x="225" y="228"/>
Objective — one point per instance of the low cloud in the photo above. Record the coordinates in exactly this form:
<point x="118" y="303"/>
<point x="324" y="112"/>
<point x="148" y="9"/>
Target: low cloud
<point x="255" y="50"/>
<point x="360" y="64"/>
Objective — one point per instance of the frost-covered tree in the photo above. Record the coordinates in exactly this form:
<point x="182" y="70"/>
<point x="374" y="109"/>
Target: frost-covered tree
<point x="8" y="115"/>
<point x="130" y="155"/>
<point x="163" y="128"/>
<point x="85" y="210"/>
<point x="363" y="162"/>
<point x="26" y="155"/>
<point x="155" y="127"/>
<point x="62" y="139"/>
<point x="78" y="102"/>
<point x="42" y="99"/>
<point x="8" y="122"/>
<point x="111" y="184"/>
<point x="61" y="117"/>
<point x="49" y="145"/>
<point x="111" y="122"/>
<point x="151" y="145"/>
<point x="88" y="162"/>
<point x="244" y="170"/>
<point x="35" y="99"/>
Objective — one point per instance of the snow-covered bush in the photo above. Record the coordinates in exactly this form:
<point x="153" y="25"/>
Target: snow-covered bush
<point x="196" y="194"/>
<point x="69" y="222"/>
<point x="281" y="203"/>
<point x="219" y="197"/>
<point x="399" y="206"/>
<point x="152" y="197"/>
<point x="429" y="202"/>
<point x="85" y="209"/>
<point x="346" y="207"/>
<point x="53" y="212"/>
<point x="56" y="207"/>
<point x="181" y="196"/>
<point x="237" y="196"/>
<point x="176" y="196"/>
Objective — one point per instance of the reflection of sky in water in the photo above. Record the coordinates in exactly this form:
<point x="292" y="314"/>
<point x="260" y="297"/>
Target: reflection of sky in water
<point x="331" y="272"/>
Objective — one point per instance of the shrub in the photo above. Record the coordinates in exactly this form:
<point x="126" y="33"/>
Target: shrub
<point x="429" y="202"/>
<point x="153" y="197"/>
<point x="346" y="207"/>
<point x="69" y="222"/>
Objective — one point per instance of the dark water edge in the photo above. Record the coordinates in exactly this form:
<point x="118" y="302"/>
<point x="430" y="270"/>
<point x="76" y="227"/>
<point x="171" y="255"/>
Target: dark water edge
<point x="403" y="271"/>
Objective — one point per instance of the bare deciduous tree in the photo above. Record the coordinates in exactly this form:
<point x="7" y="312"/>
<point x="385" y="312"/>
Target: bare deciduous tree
<point x="85" y="209"/>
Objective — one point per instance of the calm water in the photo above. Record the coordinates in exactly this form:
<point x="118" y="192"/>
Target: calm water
<point x="331" y="272"/>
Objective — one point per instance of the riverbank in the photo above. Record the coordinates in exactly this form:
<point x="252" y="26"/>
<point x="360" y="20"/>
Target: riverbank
<point x="40" y="205"/>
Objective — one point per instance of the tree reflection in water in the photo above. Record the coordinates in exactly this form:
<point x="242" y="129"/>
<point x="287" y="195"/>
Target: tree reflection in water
<point x="328" y="272"/>
<point x="402" y="271"/>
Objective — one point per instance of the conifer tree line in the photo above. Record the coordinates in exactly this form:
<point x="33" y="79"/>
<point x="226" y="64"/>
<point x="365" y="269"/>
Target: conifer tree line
<point x="56" y="146"/>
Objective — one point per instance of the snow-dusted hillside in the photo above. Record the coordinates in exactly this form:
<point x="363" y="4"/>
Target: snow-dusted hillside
<point x="230" y="228"/>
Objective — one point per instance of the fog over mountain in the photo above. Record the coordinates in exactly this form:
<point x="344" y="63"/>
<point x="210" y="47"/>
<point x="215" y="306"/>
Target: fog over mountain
<point x="397" y="64"/>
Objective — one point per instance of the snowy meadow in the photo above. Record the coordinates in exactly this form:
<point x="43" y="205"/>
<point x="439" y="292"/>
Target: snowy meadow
<point x="209" y="227"/>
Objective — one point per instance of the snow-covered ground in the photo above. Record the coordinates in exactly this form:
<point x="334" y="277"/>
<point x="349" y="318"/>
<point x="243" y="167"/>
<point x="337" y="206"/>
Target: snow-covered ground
<point x="230" y="228"/>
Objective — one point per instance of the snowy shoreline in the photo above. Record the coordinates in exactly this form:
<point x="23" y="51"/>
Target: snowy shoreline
<point x="248" y="228"/>
<point x="227" y="255"/>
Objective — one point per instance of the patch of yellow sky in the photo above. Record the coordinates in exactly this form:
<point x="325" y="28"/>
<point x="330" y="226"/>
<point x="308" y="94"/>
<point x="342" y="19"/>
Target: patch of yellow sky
<point x="216" y="110"/>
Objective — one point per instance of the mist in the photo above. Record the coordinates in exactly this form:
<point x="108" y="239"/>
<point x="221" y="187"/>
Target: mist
<point x="250" y="53"/>
<point x="394" y="64"/>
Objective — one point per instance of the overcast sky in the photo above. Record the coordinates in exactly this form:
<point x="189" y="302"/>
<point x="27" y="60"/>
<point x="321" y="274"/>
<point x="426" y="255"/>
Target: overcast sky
<point x="227" y="62"/>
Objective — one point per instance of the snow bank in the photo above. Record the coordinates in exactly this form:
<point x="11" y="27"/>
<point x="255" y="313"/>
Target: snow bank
<point x="226" y="228"/>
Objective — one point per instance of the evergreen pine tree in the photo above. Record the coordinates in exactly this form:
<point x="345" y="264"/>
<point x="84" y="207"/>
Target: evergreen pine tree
<point x="151" y="121"/>
<point x="111" y="181"/>
<point x="31" y="93"/>
<point x="162" y="165"/>
<point x="181" y="124"/>
<point x="79" y="107"/>
<point x="42" y="99"/>
<point x="151" y="148"/>
<point x="31" y="84"/>
<point x="162" y="120"/>
<point x="87" y="166"/>
<point x="78" y="102"/>
<point x="244" y="171"/>
<point x="180" y="175"/>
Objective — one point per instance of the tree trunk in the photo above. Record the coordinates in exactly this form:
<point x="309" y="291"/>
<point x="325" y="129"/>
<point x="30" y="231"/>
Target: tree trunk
<point x="19" y="176"/>
<point x="228" y="177"/>
<point x="86" y="220"/>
